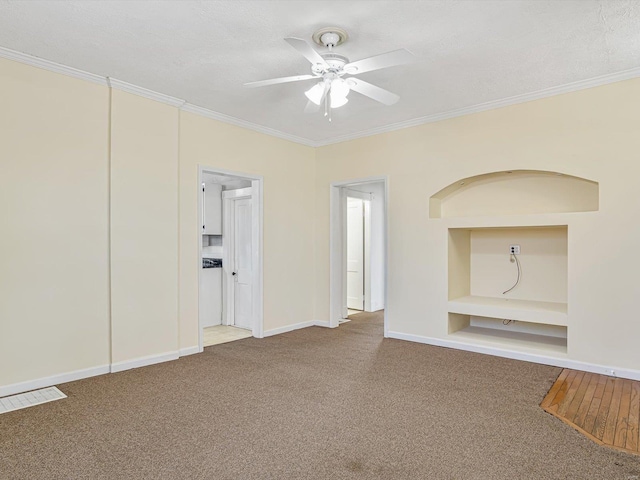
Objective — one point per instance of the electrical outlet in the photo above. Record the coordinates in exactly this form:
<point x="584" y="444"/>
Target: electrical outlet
<point x="514" y="249"/>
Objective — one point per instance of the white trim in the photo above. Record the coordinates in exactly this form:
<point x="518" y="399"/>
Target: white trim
<point x="337" y="246"/>
<point x="492" y="105"/>
<point x="289" y="328"/>
<point x="238" y="122"/>
<point x="144" y="361"/>
<point x="237" y="193"/>
<point x="189" y="351"/>
<point x="205" y="112"/>
<point x="516" y="355"/>
<point x="357" y="194"/>
<point x="368" y="277"/>
<point x="51" y="66"/>
<point x="144" y="92"/>
<point x="323" y="323"/>
<point x="257" y="229"/>
<point x="14" y="388"/>
<point x="151" y="94"/>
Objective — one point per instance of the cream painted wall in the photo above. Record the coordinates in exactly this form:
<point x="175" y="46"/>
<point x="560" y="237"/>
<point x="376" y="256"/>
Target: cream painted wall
<point x="92" y="239"/>
<point x="289" y="241"/>
<point x="543" y="261"/>
<point x="54" y="177"/>
<point x="54" y="203"/>
<point x="144" y="227"/>
<point x="591" y="134"/>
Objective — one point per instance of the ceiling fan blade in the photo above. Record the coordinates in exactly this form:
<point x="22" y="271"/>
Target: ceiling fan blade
<point x="275" y="81"/>
<point x="378" y="94"/>
<point x="384" y="60"/>
<point x="306" y="50"/>
<point x="311" y="107"/>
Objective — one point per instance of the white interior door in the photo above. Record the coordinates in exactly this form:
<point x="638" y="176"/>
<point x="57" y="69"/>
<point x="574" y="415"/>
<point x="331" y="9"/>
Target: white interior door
<point x="355" y="253"/>
<point x="242" y="262"/>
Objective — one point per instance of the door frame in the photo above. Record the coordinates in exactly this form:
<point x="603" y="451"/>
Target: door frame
<point x="338" y="243"/>
<point x="257" y="229"/>
<point x="229" y="198"/>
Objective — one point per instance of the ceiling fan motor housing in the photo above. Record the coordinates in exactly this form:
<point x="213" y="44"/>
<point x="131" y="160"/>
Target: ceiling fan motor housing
<point x="335" y="61"/>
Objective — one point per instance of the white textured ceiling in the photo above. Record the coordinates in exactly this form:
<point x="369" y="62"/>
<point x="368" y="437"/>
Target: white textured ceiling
<point x="203" y="51"/>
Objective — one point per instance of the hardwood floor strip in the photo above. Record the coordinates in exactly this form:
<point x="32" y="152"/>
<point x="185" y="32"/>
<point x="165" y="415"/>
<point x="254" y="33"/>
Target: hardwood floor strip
<point x="633" y="442"/>
<point x="566" y="403"/>
<point x="604" y="409"/>
<point x="622" y="425"/>
<point x="595" y="404"/>
<point x="614" y="408"/>
<point x="554" y="388"/>
<point x="562" y="391"/>
<point x="578" y="397"/>
<point x="603" y="412"/>
<point x="581" y="414"/>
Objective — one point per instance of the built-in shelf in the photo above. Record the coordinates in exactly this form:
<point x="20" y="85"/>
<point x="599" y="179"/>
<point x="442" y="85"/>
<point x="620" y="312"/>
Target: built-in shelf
<point x="532" y="316"/>
<point x="549" y="313"/>
<point x="512" y="340"/>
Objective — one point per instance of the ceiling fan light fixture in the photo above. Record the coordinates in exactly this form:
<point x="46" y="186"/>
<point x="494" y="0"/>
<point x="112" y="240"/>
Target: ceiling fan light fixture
<point x="337" y="101"/>
<point x="340" y="88"/>
<point x="314" y="94"/>
<point x="339" y="92"/>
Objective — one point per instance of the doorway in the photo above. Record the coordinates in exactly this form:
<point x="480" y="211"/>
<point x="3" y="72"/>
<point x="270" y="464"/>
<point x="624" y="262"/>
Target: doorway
<point x="356" y="252"/>
<point x="358" y="231"/>
<point x="230" y="256"/>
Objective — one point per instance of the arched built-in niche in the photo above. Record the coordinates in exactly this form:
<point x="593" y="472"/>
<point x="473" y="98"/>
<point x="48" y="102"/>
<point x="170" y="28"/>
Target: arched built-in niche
<point x="515" y="192"/>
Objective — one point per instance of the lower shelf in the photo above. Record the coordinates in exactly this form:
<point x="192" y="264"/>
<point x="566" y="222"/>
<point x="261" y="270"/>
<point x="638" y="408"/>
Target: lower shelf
<point x="524" y="310"/>
<point x="517" y="336"/>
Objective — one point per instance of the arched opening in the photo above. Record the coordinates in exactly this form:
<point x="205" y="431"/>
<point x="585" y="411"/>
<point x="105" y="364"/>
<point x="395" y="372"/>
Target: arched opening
<point x="515" y="192"/>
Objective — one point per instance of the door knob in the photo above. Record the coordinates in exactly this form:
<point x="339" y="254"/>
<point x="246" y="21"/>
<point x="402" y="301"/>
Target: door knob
<point x="234" y="273"/>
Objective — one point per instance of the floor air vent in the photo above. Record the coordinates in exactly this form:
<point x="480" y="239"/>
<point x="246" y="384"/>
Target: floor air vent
<point x="29" y="399"/>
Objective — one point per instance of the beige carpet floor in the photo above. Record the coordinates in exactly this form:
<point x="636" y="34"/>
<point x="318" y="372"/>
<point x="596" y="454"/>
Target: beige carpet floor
<point x="311" y="404"/>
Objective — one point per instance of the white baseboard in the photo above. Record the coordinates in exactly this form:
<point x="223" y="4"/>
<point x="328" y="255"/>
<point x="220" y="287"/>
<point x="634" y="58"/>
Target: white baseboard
<point x="323" y="323"/>
<point x="52" y="380"/>
<point x="189" y="351"/>
<point x="288" y="328"/>
<point x="144" y="361"/>
<point x="516" y="355"/>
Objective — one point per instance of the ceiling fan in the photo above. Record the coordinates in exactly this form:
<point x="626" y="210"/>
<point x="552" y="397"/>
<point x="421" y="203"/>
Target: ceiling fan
<point x="329" y="68"/>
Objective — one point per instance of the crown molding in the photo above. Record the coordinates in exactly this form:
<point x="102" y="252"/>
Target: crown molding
<point x="187" y="107"/>
<point x="204" y="112"/>
<point x="51" y="66"/>
<point x="145" y="92"/>
<point x="492" y="105"/>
